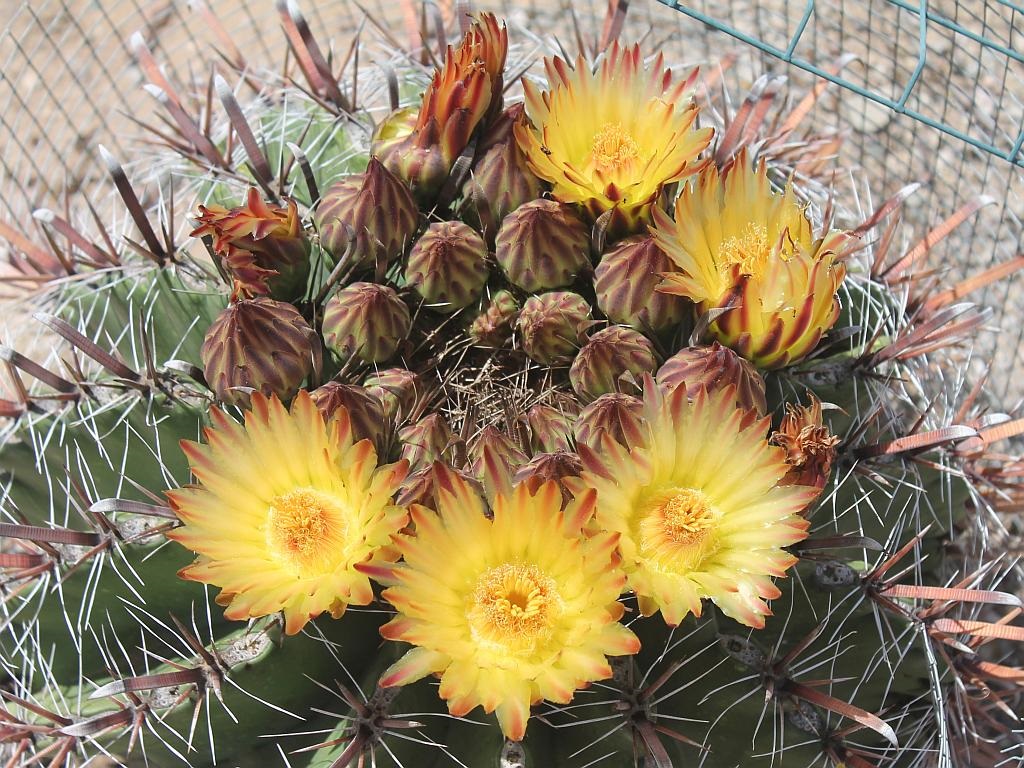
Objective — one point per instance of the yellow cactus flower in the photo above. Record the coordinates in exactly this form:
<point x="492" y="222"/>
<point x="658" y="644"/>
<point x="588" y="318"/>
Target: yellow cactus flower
<point x="611" y="139"/>
<point x="510" y="610"/>
<point x="699" y="507"/>
<point x="739" y="244"/>
<point x="285" y="508"/>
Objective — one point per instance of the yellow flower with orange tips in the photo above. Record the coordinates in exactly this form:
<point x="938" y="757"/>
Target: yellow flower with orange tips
<point x="699" y="508"/>
<point x="612" y="138"/>
<point x="739" y="244"/>
<point x="286" y="506"/>
<point x="510" y="610"/>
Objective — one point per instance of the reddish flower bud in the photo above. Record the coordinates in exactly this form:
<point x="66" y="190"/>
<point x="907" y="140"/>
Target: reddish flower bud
<point x="350" y="220"/>
<point x="366" y="320"/>
<point x="262" y="247"/>
<point x="398" y="390"/>
<point x="715" y="367"/>
<point x="552" y="326"/>
<point x="421" y="486"/>
<point x="500" y="447"/>
<point x="493" y="326"/>
<point x="501" y="180"/>
<point x="425" y="442"/>
<point x="615" y="414"/>
<point x="551" y="427"/>
<point x="261" y="345"/>
<point x="543" y="244"/>
<point x="625" y="283"/>
<point x="365" y="411"/>
<point x="464" y="93"/>
<point x="613" y="360"/>
<point x="448" y="265"/>
<point x="545" y="467"/>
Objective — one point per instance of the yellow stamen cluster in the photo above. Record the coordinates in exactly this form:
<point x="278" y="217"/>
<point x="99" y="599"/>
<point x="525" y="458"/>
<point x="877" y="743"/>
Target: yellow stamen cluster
<point x="613" y="146"/>
<point x="750" y="250"/>
<point x="514" y="605"/>
<point x="304" y="526"/>
<point x="687" y="516"/>
<point x="679" y="531"/>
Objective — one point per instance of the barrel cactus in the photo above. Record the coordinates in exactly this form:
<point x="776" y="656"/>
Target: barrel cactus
<point x="352" y="485"/>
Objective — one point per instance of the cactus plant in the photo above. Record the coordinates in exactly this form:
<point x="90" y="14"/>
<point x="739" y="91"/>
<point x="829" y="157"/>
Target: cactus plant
<point x="514" y="546"/>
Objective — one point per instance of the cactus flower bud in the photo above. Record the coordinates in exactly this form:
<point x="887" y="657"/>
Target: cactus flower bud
<point x="501" y="448"/>
<point x="365" y="411"/>
<point x="614" y="359"/>
<point x="501" y="180"/>
<point x="448" y="265"/>
<point x="262" y="247"/>
<point x="543" y="244"/>
<point x="715" y="367"/>
<point x="550" y="427"/>
<point x="366" y="320"/>
<point x="549" y="466"/>
<point x="493" y="326"/>
<point x="464" y="93"/>
<point x="625" y="283"/>
<point x="615" y="414"/>
<point x="425" y="442"/>
<point x="810" y="446"/>
<point x="398" y="390"/>
<point x="258" y="344"/>
<point x="349" y="217"/>
<point x="421" y="486"/>
<point x="552" y="326"/>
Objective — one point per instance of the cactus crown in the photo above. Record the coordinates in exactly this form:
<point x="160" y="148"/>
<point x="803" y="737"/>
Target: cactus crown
<point x="457" y="374"/>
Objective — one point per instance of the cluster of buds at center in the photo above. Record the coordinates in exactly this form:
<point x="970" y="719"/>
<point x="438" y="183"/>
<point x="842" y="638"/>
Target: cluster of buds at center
<point x="566" y="372"/>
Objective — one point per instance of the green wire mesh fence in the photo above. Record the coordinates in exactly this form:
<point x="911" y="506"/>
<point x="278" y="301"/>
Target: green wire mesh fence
<point x="920" y="39"/>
